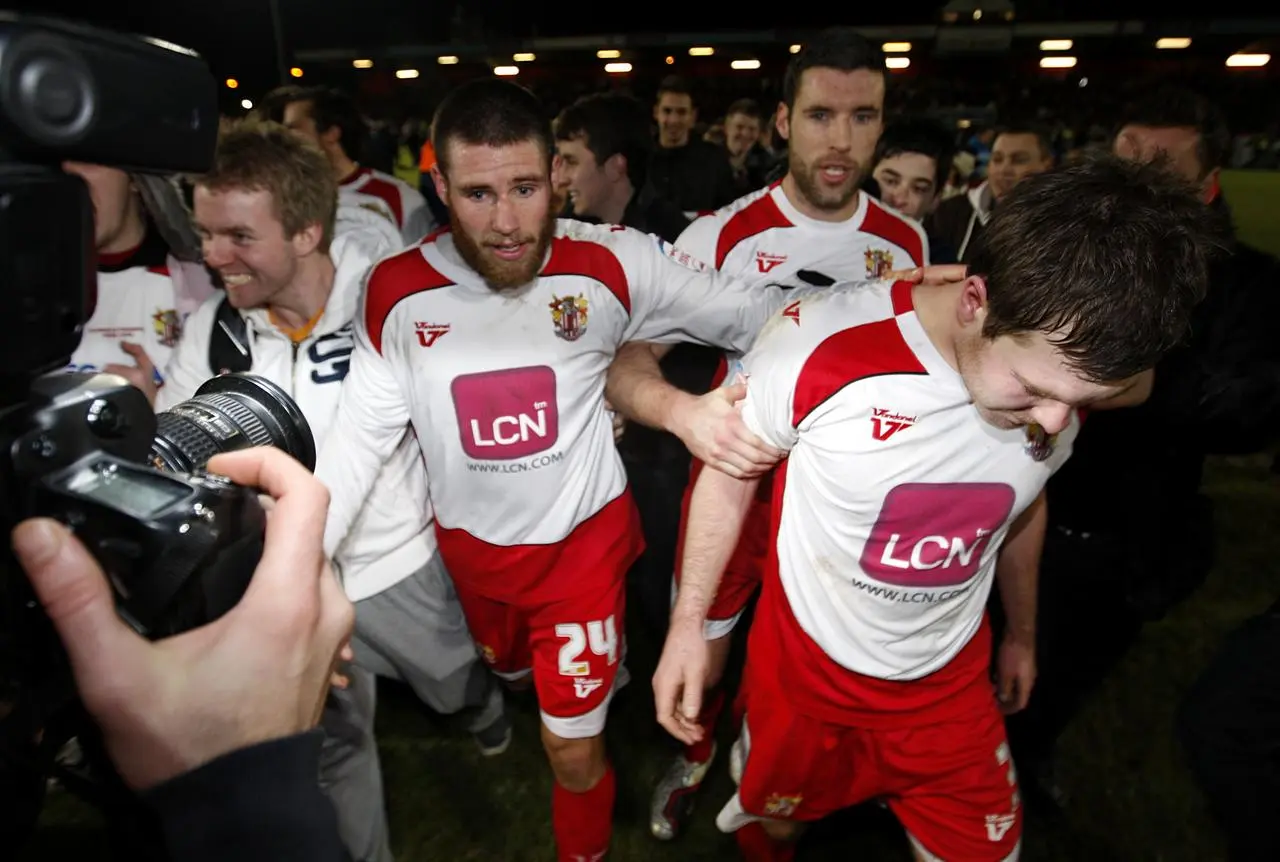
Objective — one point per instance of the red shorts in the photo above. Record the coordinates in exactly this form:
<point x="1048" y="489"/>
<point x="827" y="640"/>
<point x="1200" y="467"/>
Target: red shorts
<point x="574" y="647"/>
<point x="952" y="784"/>
<point x="556" y="610"/>
<point x="743" y="574"/>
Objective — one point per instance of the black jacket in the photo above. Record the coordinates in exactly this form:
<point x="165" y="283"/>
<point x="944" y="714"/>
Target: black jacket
<point x="1135" y="473"/>
<point x="652" y="213"/>
<point x="258" y="804"/>
<point x="696" y="177"/>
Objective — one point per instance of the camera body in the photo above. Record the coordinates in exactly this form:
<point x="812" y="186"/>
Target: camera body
<point x="177" y="544"/>
<point x="177" y="548"/>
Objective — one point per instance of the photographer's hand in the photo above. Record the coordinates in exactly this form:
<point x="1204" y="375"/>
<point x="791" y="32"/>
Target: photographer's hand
<point x="141" y="374"/>
<point x="261" y="672"/>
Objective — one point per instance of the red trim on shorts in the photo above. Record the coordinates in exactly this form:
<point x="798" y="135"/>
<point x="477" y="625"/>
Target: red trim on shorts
<point x="601" y="547"/>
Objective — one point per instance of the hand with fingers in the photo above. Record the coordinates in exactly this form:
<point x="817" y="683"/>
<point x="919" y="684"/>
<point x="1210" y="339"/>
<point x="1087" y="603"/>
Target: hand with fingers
<point x="141" y="374"/>
<point x="712" y="429"/>
<point x="679" y="680"/>
<point x="259" y="673"/>
<point x="949" y="273"/>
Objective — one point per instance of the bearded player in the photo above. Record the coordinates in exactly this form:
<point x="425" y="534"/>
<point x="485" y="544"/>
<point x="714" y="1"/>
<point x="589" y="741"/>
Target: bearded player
<point x="813" y="227"/>
<point x="920" y="425"/>
<point x="493" y="339"/>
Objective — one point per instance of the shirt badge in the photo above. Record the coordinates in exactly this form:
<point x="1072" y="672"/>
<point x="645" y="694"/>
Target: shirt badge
<point x="879" y="262"/>
<point x="569" y="315"/>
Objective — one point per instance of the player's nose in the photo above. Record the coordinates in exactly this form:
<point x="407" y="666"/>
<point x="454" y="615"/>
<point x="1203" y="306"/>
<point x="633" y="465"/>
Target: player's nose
<point x="1053" y="417"/>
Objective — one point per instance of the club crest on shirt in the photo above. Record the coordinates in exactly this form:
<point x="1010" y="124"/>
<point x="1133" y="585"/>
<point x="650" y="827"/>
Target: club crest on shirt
<point x="167" y="327"/>
<point x="780" y="806"/>
<point x="569" y="315"/>
<point x="879" y="262"/>
<point x="1039" y="444"/>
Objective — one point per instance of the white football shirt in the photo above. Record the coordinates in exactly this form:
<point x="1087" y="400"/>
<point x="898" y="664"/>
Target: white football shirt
<point x="391" y="197"/>
<point x="896" y="496"/>
<point x="141" y="299"/>
<point x="506" y="390"/>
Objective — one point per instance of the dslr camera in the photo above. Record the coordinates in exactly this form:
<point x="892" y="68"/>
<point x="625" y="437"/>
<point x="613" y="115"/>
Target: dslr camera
<point x="177" y="543"/>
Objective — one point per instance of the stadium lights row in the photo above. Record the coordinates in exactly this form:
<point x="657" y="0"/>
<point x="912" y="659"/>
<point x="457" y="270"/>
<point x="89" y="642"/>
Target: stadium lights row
<point x="1050" y="62"/>
<point x="1164" y="43"/>
<point x="1235" y="61"/>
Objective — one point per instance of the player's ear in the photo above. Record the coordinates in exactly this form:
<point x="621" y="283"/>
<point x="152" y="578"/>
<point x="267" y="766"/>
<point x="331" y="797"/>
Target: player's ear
<point x="616" y="167"/>
<point x="307" y="240"/>
<point x="437" y="178"/>
<point x="972" y="308"/>
<point x="783" y="121"/>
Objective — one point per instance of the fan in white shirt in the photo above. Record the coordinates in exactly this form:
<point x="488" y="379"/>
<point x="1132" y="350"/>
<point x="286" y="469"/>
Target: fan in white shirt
<point x="265" y="213"/>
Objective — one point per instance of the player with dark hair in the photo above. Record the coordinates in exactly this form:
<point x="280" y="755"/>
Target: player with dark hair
<point x="492" y="341"/>
<point x="604" y="144"/>
<point x="910" y="167"/>
<point x="813" y="227"/>
<point x="921" y="425"/>
<point x="330" y="119"/>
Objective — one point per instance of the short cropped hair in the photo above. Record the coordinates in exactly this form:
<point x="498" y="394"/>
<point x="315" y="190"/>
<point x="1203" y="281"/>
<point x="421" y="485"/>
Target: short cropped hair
<point x="745" y="107"/>
<point x="676" y="85"/>
<point x="610" y="124"/>
<point x="1169" y="107"/>
<point x="490" y="112"/>
<point x="1023" y="126"/>
<point x="841" y="48"/>
<point x="331" y="107"/>
<point x="255" y="155"/>
<point x="1107" y="256"/>
<point x="918" y="135"/>
<point x="271" y="106"/>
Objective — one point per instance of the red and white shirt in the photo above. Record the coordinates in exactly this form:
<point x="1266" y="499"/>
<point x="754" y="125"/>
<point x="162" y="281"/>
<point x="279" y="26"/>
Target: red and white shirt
<point x="390" y="197"/>
<point x="506" y="391"/>
<point x="761" y="237"/>
<point x="892" y="504"/>
<point x="144" y="296"/>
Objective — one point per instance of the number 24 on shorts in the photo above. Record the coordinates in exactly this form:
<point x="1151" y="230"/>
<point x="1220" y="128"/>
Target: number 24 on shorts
<point x="601" y="636"/>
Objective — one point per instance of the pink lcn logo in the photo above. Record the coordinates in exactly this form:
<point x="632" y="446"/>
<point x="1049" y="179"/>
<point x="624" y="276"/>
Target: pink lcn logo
<point x="506" y="414"/>
<point x="931" y="535"/>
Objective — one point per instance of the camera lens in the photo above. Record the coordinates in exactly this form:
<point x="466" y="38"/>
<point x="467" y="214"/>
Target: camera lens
<point x="230" y="412"/>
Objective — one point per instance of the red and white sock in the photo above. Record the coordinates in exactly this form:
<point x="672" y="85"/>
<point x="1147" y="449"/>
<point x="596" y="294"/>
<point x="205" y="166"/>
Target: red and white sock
<point x="583" y="822"/>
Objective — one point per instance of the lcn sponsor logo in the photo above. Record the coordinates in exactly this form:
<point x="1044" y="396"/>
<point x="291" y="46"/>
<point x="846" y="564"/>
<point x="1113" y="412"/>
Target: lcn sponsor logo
<point x="508" y="414"/>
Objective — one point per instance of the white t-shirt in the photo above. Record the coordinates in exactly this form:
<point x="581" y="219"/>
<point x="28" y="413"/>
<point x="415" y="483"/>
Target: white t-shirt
<point x="896" y="495"/>
<point x="506" y="390"/>
<point x="392" y="536"/>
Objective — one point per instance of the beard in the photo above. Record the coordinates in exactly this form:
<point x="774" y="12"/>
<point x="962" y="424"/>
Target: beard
<point x="504" y="275"/>
<point x="821" y="195"/>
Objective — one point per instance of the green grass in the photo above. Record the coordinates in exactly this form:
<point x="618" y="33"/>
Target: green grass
<point x="1132" y="798"/>
<point x="1252" y="196"/>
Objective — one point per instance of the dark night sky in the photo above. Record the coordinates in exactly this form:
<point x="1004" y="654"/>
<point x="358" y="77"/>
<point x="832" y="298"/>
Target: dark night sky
<point x="236" y="37"/>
